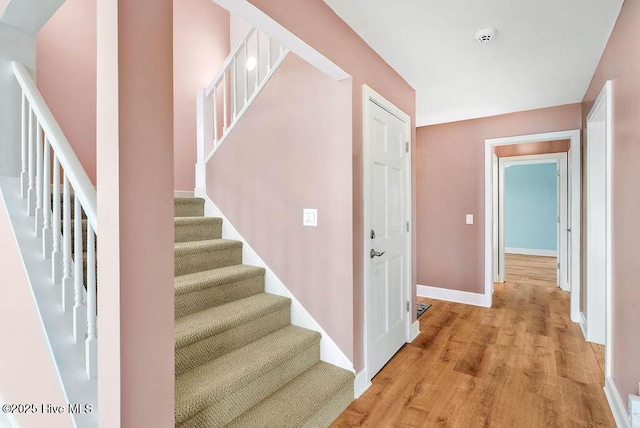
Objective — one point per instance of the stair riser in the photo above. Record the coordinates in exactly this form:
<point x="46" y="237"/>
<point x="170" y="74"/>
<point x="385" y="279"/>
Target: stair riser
<point x="187" y="262"/>
<point x="197" y="301"/>
<point x="200" y="352"/>
<point x="198" y="232"/>
<point x="331" y="409"/>
<point x="248" y="395"/>
<point x="188" y="210"/>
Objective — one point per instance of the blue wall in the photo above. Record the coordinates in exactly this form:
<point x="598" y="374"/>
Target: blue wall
<point x="530" y="206"/>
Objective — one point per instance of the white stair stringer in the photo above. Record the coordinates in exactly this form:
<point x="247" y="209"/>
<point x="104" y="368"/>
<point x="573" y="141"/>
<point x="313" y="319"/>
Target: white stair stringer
<point x="330" y="352"/>
<point x="69" y="357"/>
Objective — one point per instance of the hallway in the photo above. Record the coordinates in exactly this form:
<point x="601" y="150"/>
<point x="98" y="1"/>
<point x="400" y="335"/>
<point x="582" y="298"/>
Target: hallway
<point x="522" y="363"/>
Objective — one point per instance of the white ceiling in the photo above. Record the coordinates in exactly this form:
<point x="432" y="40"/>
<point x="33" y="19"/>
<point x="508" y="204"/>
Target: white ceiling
<point x="545" y="52"/>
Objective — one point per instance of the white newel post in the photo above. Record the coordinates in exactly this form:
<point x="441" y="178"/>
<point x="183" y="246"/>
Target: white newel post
<point x="67" y="279"/>
<point x="91" y="343"/>
<point x="39" y="180"/>
<point x="79" y="312"/>
<point x="46" y="205"/>
<point x="56" y="254"/>
<point x="205" y="120"/>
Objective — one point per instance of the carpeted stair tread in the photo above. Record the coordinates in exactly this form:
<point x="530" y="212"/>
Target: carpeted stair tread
<point x="199" y="326"/>
<point x="311" y="392"/>
<point x="264" y="366"/>
<point x="211" y="278"/>
<point x="198" y="256"/>
<point x="197" y="228"/>
<point x="188" y="207"/>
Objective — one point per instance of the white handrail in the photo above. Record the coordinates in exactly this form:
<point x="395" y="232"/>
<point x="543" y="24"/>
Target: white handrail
<point x="229" y="61"/>
<point x="73" y="169"/>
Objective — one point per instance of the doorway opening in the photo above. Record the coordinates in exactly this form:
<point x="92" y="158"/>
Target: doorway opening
<point x="494" y="265"/>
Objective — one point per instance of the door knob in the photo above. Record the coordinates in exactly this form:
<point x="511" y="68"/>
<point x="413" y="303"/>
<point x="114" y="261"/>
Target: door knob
<point x="374" y="253"/>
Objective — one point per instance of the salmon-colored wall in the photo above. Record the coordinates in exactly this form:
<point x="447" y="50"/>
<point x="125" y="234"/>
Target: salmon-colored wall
<point x="316" y="24"/>
<point x="288" y="154"/>
<point x="527" y="149"/>
<point x="621" y="63"/>
<point x="201" y="44"/>
<point x="27" y="370"/>
<point x="66" y="75"/>
<point x="450" y="184"/>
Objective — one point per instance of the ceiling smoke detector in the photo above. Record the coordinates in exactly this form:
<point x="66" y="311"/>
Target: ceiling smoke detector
<point x="485" y="35"/>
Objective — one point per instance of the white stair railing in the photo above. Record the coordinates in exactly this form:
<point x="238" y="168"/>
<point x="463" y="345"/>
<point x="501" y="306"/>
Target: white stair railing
<point x="47" y="157"/>
<point x="244" y="73"/>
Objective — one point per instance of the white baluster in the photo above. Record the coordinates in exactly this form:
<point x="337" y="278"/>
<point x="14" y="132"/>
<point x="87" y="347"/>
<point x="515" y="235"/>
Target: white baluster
<point x="224" y="103"/>
<point x="215" y="115"/>
<point x="234" y="87"/>
<point x="31" y="191"/>
<point x="24" y="177"/>
<point x="56" y="254"/>
<point x="79" y="310"/>
<point x="246" y="73"/>
<point x="67" y="279"/>
<point x="255" y="86"/>
<point x="39" y="180"/>
<point x="91" y="345"/>
<point x="46" y="201"/>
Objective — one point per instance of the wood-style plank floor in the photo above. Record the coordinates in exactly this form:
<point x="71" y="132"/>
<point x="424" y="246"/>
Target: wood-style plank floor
<point x="522" y="363"/>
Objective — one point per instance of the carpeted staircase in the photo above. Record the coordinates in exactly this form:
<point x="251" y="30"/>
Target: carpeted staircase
<point x="239" y="361"/>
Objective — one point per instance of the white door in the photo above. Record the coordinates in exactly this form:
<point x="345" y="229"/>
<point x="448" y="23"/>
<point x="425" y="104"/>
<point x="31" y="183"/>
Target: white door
<point x="386" y="254"/>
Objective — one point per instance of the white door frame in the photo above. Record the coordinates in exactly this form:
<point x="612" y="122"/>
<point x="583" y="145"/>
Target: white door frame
<point x="559" y="159"/>
<point x="575" y="185"/>
<point x="604" y="100"/>
<point x="369" y="95"/>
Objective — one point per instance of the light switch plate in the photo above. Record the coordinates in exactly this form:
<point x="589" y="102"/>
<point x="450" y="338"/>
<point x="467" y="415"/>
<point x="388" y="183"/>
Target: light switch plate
<point x="310" y="217"/>
<point x="469" y="218"/>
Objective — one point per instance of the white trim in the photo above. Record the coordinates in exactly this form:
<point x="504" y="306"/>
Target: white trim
<point x="531" y="252"/>
<point x="527" y="161"/>
<point x="456" y="296"/>
<point x="330" y="352"/>
<point x="606" y="96"/>
<point x="583" y="325"/>
<point x="370" y="95"/>
<point x="7" y="420"/>
<point x="575" y="182"/>
<point x="415" y="330"/>
<point x="616" y="404"/>
<point x="361" y="383"/>
<point x="183" y="193"/>
<point x="256" y="17"/>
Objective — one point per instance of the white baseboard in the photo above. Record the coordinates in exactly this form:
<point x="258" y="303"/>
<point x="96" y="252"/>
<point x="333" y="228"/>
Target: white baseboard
<point x="183" y="193"/>
<point x="361" y="383"/>
<point x="583" y="325"/>
<point x="465" y="297"/>
<point x="616" y="404"/>
<point x="330" y="352"/>
<point x="531" y="252"/>
<point x="414" y="330"/>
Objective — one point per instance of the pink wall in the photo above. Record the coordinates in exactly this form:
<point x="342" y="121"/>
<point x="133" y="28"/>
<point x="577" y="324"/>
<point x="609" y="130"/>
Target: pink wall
<point x="292" y="151"/>
<point x="316" y="24"/>
<point x="66" y="75"/>
<point x="27" y="370"/>
<point x="450" y="184"/>
<point x="621" y="63"/>
<point x="201" y="44"/>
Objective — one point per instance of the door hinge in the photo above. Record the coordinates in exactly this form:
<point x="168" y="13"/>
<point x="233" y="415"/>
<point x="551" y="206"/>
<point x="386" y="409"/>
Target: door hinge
<point x="408" y="306"/>
<point x="558" y="264"/>
<point x="406" y="147"/>
<point x="407" y="226"/>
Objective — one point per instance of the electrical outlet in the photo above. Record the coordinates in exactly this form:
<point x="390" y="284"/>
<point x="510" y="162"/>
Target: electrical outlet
<point x="469" y="219"/>
<point x="310" y="217"/>
<point x="634" y="410"/>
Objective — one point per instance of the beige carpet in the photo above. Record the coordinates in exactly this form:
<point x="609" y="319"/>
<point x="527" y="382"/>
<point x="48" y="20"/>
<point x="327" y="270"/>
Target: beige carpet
<point x="239" y="361"/>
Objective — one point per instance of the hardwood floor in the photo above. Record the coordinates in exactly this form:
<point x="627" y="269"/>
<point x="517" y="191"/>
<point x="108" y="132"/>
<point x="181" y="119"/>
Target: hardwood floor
<point x="522" y="363"/>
